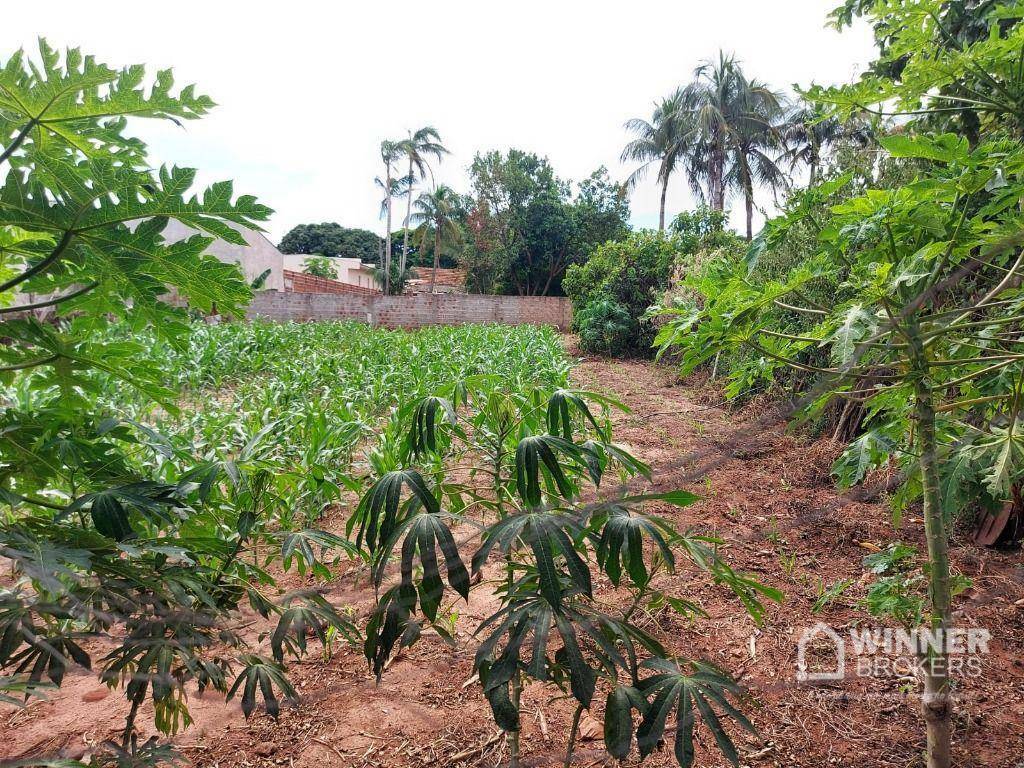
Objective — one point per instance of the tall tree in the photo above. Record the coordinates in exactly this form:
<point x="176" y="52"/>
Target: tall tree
<point x="664" y="141"/>
<point x="736" y="124"/>
<point x="530" y="226"/>
<point x="417" y="148"/>
<point x="439" y="211"/>
<point x="600" y="211"/>
<point x="809" y="134"/>
<point x="331" y="239"/>
<point x="390" y="152"/>
<point x="320" y="266"/>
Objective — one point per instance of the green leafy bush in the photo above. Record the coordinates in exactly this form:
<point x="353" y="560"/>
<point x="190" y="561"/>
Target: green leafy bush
<point x="712" y="285"/>
<point x="605" y="326"/>
<point x="630" y="275"/>
<point x="701" y="229"/>
<point x="320" y="266"/>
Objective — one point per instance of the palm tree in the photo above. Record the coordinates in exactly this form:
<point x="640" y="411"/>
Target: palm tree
<point x="438" y="211"/>
<point x="664" y="140"/>
<point x="390" y="151"/>
<point x="751" y="165"/>
<point x="736" y="123"/>
<point x="417" y="148"/>
<point x="390" y="189"/>
<point x="808" y="134"/>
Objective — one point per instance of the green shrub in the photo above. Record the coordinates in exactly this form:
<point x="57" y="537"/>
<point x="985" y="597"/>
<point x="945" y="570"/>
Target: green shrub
<point x="605" y="326"/>
<point x="630" y="275"/>
<point x="320" y="266"/>
<point x="702" y="229"/>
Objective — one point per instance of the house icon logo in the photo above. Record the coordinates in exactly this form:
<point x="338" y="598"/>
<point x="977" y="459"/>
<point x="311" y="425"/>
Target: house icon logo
<point x="830" y="636"/>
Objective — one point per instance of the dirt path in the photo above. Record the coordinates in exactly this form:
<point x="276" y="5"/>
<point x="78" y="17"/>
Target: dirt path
<point x="768" y="495"/>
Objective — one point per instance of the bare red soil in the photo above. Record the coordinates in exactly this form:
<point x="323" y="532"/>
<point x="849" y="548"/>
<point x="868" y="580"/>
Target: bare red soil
<point x="769" y="496"/>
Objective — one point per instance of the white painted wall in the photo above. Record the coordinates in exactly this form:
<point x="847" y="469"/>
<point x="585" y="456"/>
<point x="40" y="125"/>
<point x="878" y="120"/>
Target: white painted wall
<point x="254" y="258"/>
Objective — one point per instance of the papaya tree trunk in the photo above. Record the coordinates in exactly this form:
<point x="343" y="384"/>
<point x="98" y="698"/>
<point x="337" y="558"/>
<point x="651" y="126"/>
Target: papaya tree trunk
<point x="936" y="703"/>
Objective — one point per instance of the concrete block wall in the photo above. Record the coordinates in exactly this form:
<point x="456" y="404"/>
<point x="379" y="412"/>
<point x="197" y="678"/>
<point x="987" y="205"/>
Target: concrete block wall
<point x="413" y="311"/>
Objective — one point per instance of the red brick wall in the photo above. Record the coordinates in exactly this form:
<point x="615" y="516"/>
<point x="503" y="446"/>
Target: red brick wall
<point x="300" y="282"/>
<point x="413" y="311"/>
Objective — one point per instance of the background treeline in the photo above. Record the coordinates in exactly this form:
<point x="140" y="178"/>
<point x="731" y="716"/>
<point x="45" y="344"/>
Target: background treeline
<point x="516" y="233"/>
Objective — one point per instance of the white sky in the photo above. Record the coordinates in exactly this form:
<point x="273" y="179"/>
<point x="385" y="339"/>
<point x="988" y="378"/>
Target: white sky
<point x="306" y="90"/>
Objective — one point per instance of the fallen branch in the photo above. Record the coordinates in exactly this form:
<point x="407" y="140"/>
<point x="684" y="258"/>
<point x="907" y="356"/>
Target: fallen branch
<point x="331" y="747"/>
<point x="468" y="753"/>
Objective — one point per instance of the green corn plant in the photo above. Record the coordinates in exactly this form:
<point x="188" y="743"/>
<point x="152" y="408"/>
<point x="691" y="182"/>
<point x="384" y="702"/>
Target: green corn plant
<point x="327" y="386"/>
<point x="512" y="464"/>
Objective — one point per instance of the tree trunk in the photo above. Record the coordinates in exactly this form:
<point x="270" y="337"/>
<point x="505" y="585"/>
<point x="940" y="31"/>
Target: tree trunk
<point x="936" y="703"/>
<point x="513" y="736"/>
<point x="661" y="217"/>
<point x="748" y="194"/>
<point x="573" y="733"/>
<point x="717" y="180"/>
<point x="815" y="158"/>
<point x="408" y="214"/>
<point x="437" y="255"/>
<point x="387" y="248"/>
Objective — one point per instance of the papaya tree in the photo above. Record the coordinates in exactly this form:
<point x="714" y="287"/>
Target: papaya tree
<point x="111" y="531"/>
<point x="924" y="334"/>
<point x="922" y="330"/>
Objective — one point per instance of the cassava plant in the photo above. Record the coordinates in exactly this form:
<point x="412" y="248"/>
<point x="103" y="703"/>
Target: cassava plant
<point x="506" y="465"/>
